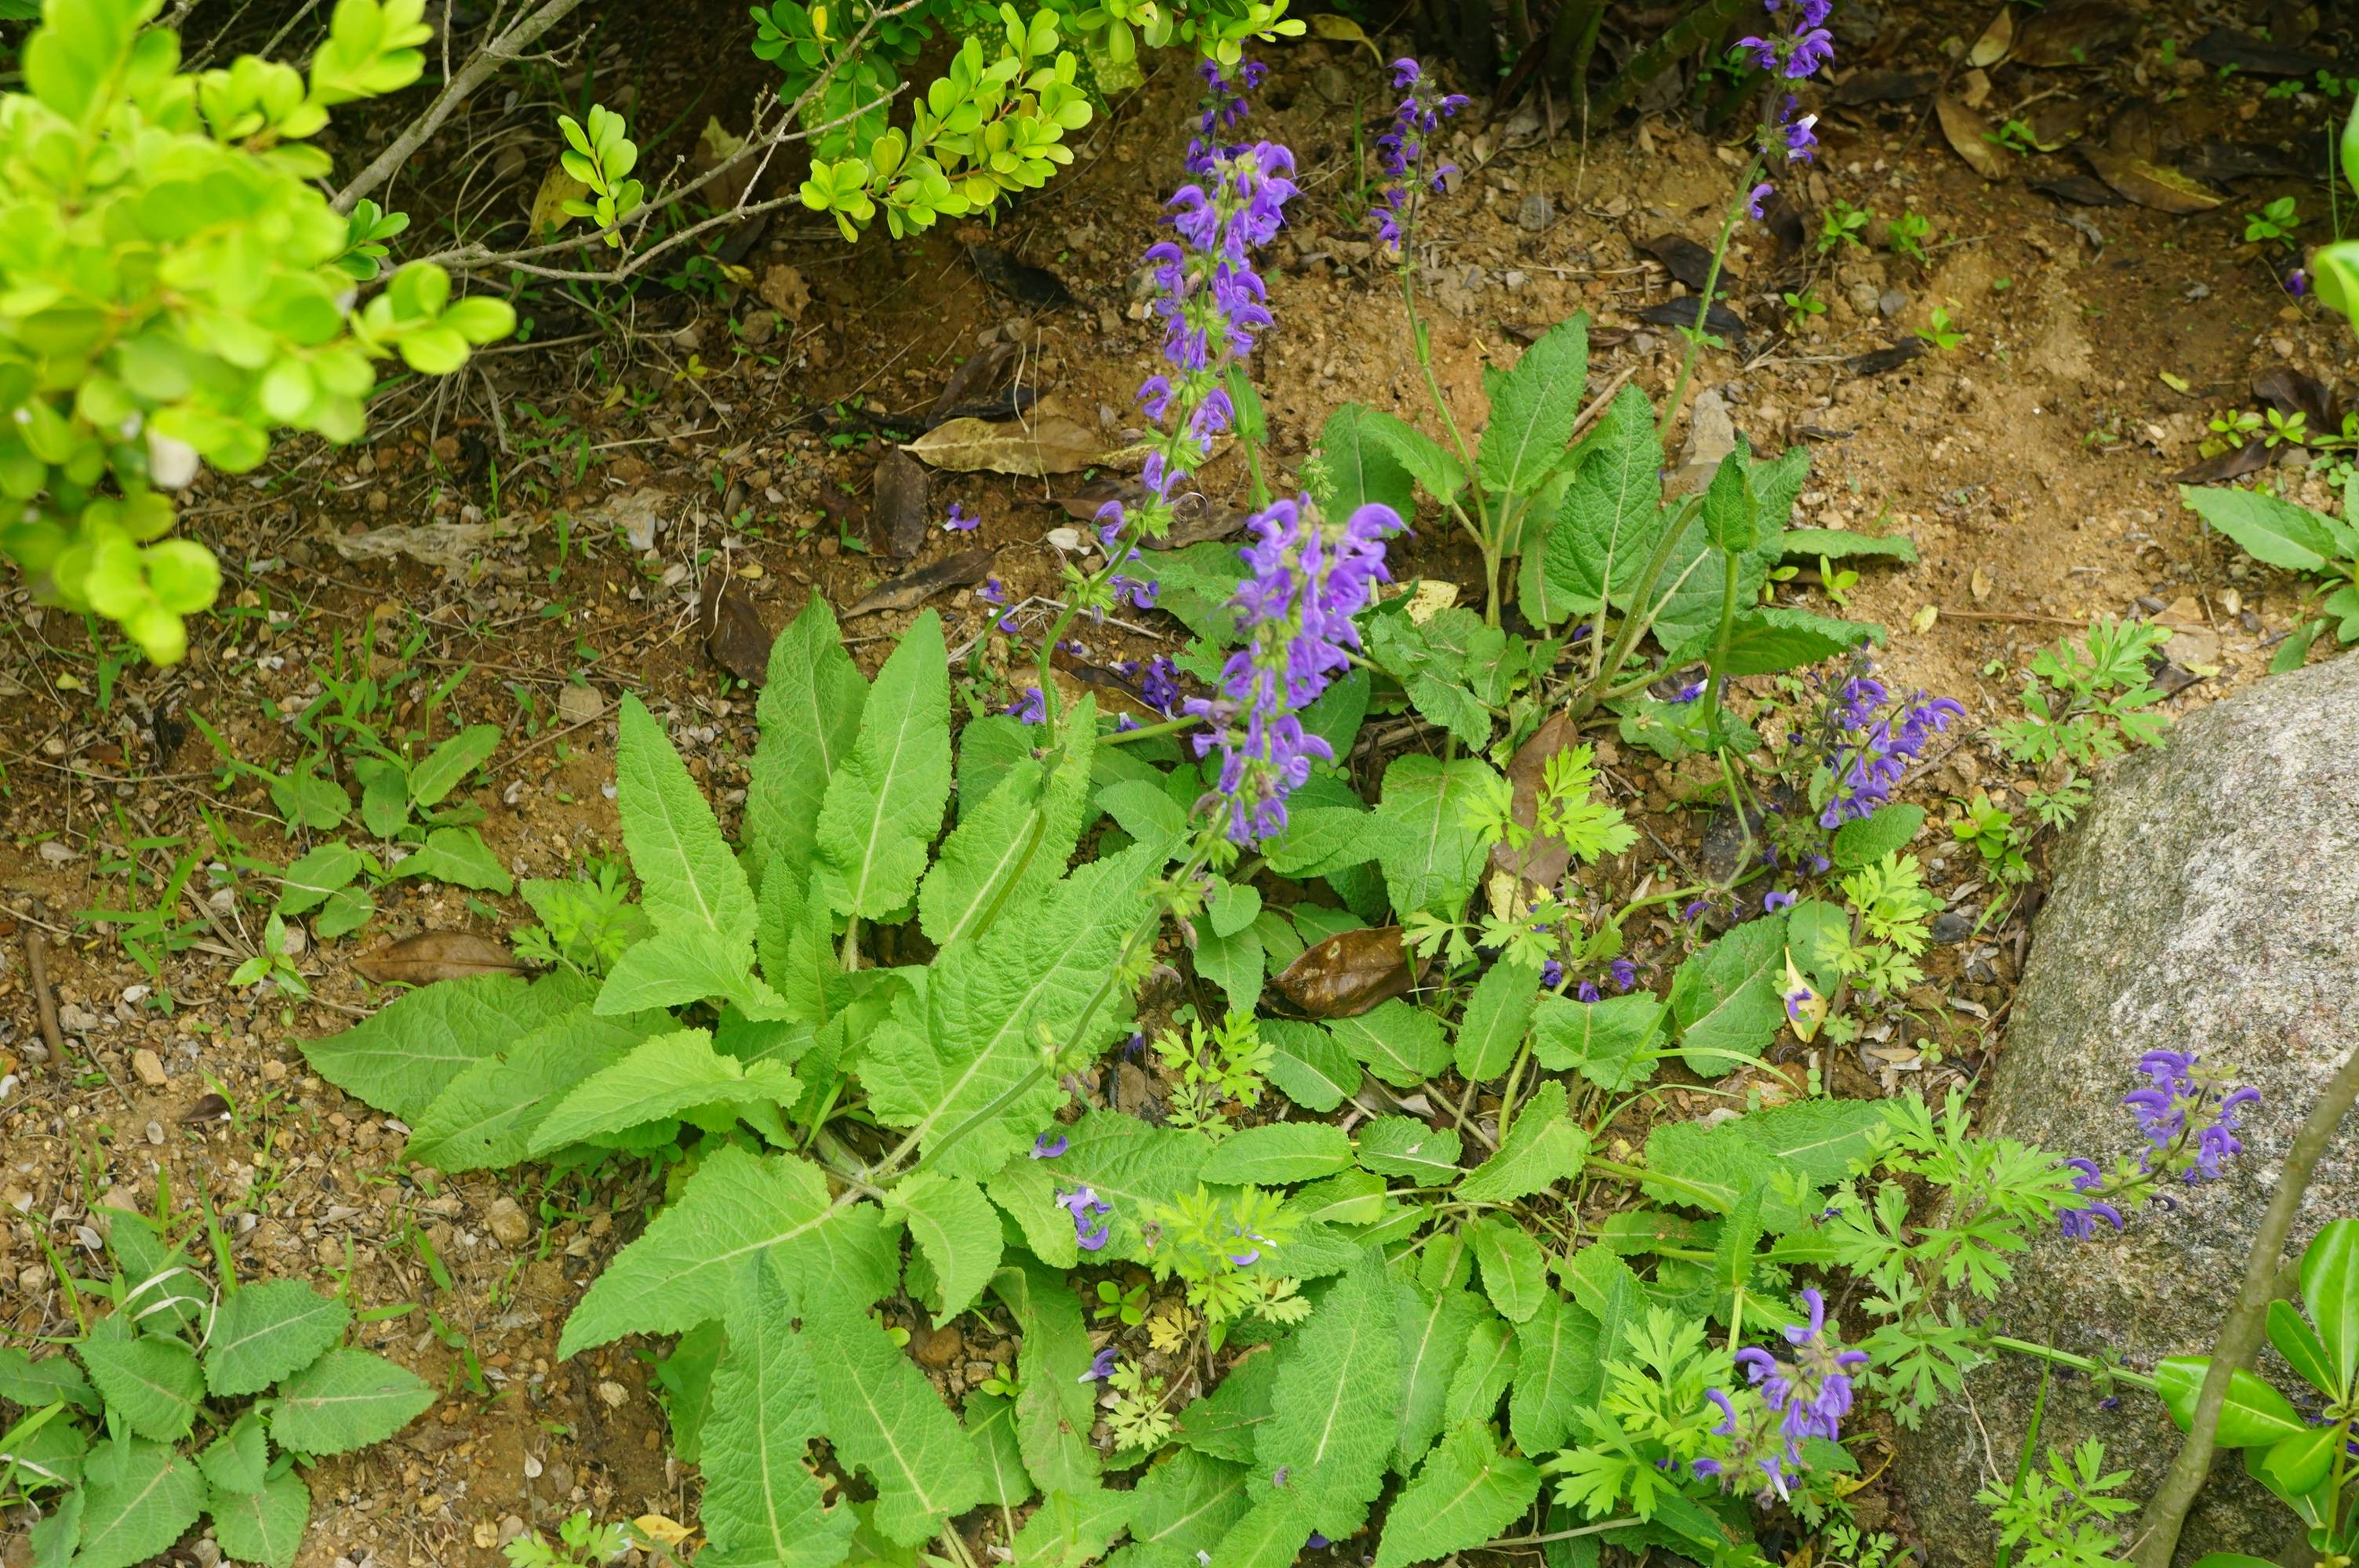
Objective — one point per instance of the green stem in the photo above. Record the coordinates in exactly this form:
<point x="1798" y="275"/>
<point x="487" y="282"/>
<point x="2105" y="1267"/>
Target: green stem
<point x="1507" y="1094"/>
<point x="1704" y="308"/>
<point x="1712" y="677"/>
<point x="1149" y="731"/>
<point x="1604" y="666"/>
<point x="852" y="945"/>
<point x="1700" y="1196"/>
<point x="2078" y="1363"/>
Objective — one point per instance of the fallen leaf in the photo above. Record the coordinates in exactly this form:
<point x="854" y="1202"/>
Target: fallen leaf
<point x="2149" y="184"/>
<point x="715" y="146"/>
<point x="897" y="508"/>
<point x="2074" y="32"/>
<point x="1338" y="29"/>
<point x="1347" y="974"/>
<point x="2079" y="189"/>
<point x="2292" y="392"/>
<point x="1433" y="596"/>
<point x="1682" y="313"/>
<point x="1966" y="129"/>
<point x="1980" y="584"/>
<point x="733" y="628"/>
<point x="433" y="956"/>
<point x="784" y="291"/>
<point x="1876" y="361"/>
<point x="1544" y="859"/>
<point x="453" y="547"/>
<point x="1882" y="87"/>
<point x="211" y="1107"/>
<point x="2234" y="462"/>
<point x="2227" y="47"/>
<point x="1996" y="40"/>
<point x="660" y="1531"/>
<point x="1053" y="444"/>
<point x="2175" y="383"/>
<point x="978" y="373"/>
<point x="920" y="584"/>
<point x="1687" y="261"/>
<point x="1019" y="279"/>
<point x="1925" y="618"/>
<point x="557" y="189"/>
<point x="637" y="514"/>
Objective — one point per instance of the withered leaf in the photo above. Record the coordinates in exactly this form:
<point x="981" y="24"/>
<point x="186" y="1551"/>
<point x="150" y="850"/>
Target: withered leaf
<point x="433" y="956"/>
<point x="1115" y="693"/>
<point x="2256" y="57"/>
<point x="2074" y="32"/>
<point x="2292" y="392"/>
<point x="919" y="584"/>
<point x="1682" y="313"/>
<point x="1995" y="40"/>
<point x="1883" y="87"/>
<point x="1195" y="516"/>
<point x="1964" y="130"/>
<point x="977" y="375"/>
<point x="734" y="632"/>
<point x="1686" y="260"/>
<point x="2149" y="184"/>
<point x="1347" y="974"/>
<point x="2232" y="462"/>
<point x="897" y="507"/>
<point x="1052" y="444"/>
<point x="1544" y="859"/>
<point x="211" y="1107"/>
<point x="1877" y="361"/>
<point x="2079" y="189"/>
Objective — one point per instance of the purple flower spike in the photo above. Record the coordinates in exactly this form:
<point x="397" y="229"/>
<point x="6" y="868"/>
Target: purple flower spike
<point x="1872" y="745"/>
<point x="1551" y="974"/>
<point x="1403" y="150"/>
<point x="1587" y="991"/>
<point x="1046" y="1147"/>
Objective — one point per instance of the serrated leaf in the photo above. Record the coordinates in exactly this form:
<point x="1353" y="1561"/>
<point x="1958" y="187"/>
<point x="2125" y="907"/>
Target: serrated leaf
<point x="1429" y="855"/>
<point x="1235" y="963"/>
<point x="1732" y="1255"/>
<point x="1533" y="407"/>
<point x="152" y="1495"/>
<point x="1308" y="1064"/>
<point x="1433" y="1325"/>
<point x="1556" y="1367"/>
<point x="1727" y="998"/>
<point x="313" y="877"/>
<point x="1865" y="840"/>
<point x="1226" y="1423"/>
<point x="1607" y="1042"/>
<point x="1543" y="1147"/>
<point x="1362" y="469"/>
<point x="1013" y="848"/>
<point x="485" y="1120"/>
<point x="1069" y="1530"/>
<point x="408" y="1053"/>
<point x="1055" y="1407"/>
<point x="1331" y="1421"/>
<point x="152" y="1382"/>
<point x="1404" y="1146"/>
<point x="1322" y="839"/>
<point x="884" y="805"/>
<point x="886" y="1421"/>
<point x="239" y="1459"/>
<point x="346" y="1399"/>
<point x="1131" y="1165"/>
<point x="1810" y="1142"/>
<point x="448" y="766"/>
<point x="52" y="1380"/>
<point x="1514" y="1270"/>
<point x="2276" y="533"/>
<point x="1142" y="809"/>
<point x="663" y="1078"/>
<point x="1611" y="521"/>
<point x="990" y="1427"/>
<point x="681" y="967"/>
<point x="264" y="1526"/>
<point x="1183" y="1505"/>
<point x="457" y="855"/>
<point x="810" y="716"/>
<point x="1483" y="1372"/>
<point x="1498" y="1012"/>
<point x="1432" y="464"/>
<point x="1769" y="638"/>
<point x="761" y="1499"/>
<point x="267" y="1331"/>
<point x="684" y="1267"/>
<point x="1272" y="1532"/>
<point x="1466" y="1493"/>
<point x="1279" y="1154"/>
<point x="1695" y="571"/>
<point x="689" y="880"/>
<point x="1843" y="544"/>
<point x="955" y="1225"/>
<point x="1400" y="1043"/>
<point x="976" y="1037"/>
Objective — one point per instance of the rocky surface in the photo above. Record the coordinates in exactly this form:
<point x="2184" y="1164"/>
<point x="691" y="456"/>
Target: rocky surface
<point x="2209" y="902"/>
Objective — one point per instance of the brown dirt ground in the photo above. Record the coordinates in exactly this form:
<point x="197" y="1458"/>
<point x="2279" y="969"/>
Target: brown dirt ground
<point x="2029" y="464"/>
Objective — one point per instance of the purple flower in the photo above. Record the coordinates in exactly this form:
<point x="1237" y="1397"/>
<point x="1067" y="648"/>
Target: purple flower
<point x="1796" y="999"/>
<point x="1007" y="622"/>
<point x="1688" y="692"/>
<point x="1046" y="1147"/>
<point x="1796" y="46"/>
<point x="1625" y="973"/>
<point x="1085" y="1207"/>
<point x="1587" y="991"/>
<point x="1753" y="202"/>
<point x="1868" y="753"/>
<point x="1551" y="974"/>
<point x="1317" y="1542"/>
<point x="1309" y="578"/>
<point x="1101" y="1366"/>
<point x="1158" y="685"/>
<point x="1224" y="106"/>
<point x="1772" y="902"/>
<point x="1402" y="149"/>
<point x="1800" y="138"/>
<point x="2298" y="282"/>
<point x="991" y="592"/>
<point x="1695" y="910"/>
<point x="962" y="521"/>
<point x="1029" y="709"/>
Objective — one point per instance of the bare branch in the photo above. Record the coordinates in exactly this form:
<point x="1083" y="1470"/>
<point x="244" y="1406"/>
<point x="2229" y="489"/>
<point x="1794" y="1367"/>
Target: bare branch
<point x="499" y="51"/>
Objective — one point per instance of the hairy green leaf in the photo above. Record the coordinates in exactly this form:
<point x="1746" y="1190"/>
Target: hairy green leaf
<point x="152" y="1382"/>
<point x="1308" y="1064"/>
<point x="1606" y="1041"/>
<point x="1277" y="1153"/>
<point x="1543" y="1146"/>
<point x="1556" y="1373"/>
<point x="990" y="1427"/>
<point x="886" y="1421"/>
<point x="1432" y="857"/>
<point x="239" y="1459"/>
<point x="1363" y="470"/>
<point x="1226" y="1424"/>
<point x="486" y="1119"/>
<point x="761" y="1500"/>
<point x="1467" y="1493"/>
<point x="1728" y="998"/>
<point x="263" y="1526"/>
<point x="1432" y="464"/>
<point x="346" y="1399"/>
<point x="1433" y="1326"/>
<point x="1183" y="1505"/>
<point x="1131" y="1165"/>
<point x="810" y="715"/>
<point x="885" y="803"/>
<point x="1483" y="1372"/>
<point x="408" y="1052"/>
<point x="1514" y="1270"/>
<point x="1404" y="1146"/>
<point x="1498" y="1012"/>
<point x="1865" y="840"/>
<point x="1533" y="407"/>
<point x="1331" y="1419"/>
<point x="264" y="1331"/>
<point x="1013" y="848"/>
<point x="139" y="1498"/>
<point x="665" y="1076"/>
<point x="689" y="880"/>
<point x="449" y="763"/>
<point x="955" y="1225"/>
<point x="1611" y="521"/>
<point x="1769" y="638"/>
<point x="1400" y="1043"/>
<point x="1055" y="1407"/>
<point x="2276" y="532"/>
<point x="680" y="966"/>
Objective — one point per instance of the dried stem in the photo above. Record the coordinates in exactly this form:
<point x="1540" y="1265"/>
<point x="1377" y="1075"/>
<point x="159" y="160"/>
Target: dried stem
<point x="2240" y="1332"/>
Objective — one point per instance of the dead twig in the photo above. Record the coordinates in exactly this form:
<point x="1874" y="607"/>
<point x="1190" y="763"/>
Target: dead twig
<point x="37" y="972"/>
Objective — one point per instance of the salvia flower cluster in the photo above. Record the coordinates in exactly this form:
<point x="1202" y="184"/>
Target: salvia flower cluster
<point x="1796" y="45"/>
<point x="1225" y="106"/>
<point x="1213" y="305"/>
<point x="1403" y="149"/>
<point x="1806" y="1395"/>
<point x="1308" y="579"/>
<point x="1873" y="739"/>
<point x="2186" y="1113"/>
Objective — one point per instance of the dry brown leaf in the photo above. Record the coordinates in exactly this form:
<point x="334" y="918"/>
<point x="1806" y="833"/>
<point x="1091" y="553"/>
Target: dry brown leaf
<point x="914" y="587"/>
<point x="1343" y="30"/>
<point x="1347" y="974"/>
<point x="557" y="189"/>
<point x="453" y="547"/>
<point x="734" y="632"/>
<point x="2149" y="184"/>
<point x="433" y="956"/>
<point x="896" y="511"/>
<point x="1996" y="40"/>
<point x="1964" y="130"/>
<point x="784" y="291"/>
<point x="1543" y="859"/>
<point x="1047" y="444"/>
<point x="716" y="145"/>
<point x="2229" y="462"/>
<point x="2074" y="32"/>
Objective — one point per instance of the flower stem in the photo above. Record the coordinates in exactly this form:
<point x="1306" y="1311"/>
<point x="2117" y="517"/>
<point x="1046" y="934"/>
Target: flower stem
<point x="2240" y="1330"/>
<point x="2078" y="1363"/>
<point x="1703" y="309"/>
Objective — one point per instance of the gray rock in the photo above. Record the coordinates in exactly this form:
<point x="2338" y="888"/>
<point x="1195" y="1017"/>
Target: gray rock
<point x="2208" y="902"/>
<point x="1536" y="213"/>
